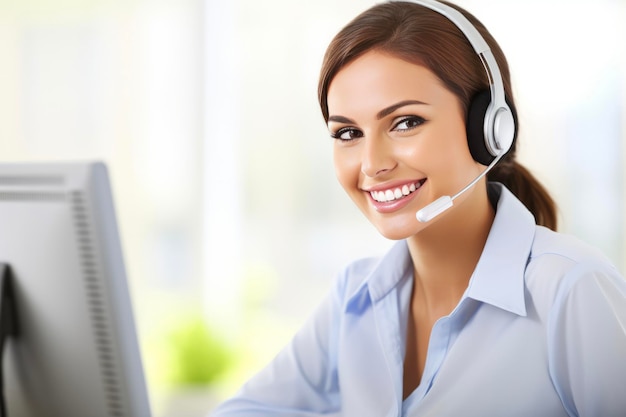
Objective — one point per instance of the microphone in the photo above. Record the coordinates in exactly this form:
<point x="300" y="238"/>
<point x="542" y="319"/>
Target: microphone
<point x="443" y="203"/>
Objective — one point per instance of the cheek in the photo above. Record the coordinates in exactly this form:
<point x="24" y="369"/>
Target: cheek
<point x="451" y="149"/>
<point x="347" y="168"/>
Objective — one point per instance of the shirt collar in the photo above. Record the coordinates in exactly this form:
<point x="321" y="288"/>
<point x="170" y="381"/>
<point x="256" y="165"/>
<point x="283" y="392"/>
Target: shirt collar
<point x="499" y="275"/>
<point x="392" y="268"/>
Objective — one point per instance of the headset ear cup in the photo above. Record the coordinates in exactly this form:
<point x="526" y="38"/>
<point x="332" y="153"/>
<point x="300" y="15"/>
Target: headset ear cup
<point x="475" y="128"/>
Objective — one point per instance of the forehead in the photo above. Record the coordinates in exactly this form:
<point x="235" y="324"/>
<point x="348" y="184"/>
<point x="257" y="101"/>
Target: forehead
<point x="378" y="79"/>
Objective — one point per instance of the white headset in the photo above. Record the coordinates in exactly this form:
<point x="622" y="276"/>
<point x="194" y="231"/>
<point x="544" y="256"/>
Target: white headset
<point x="491" y="122"/>
<point x="498" y="123"/>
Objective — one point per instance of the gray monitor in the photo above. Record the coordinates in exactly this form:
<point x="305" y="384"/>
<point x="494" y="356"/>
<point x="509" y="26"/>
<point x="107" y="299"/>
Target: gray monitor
<point x="72" y="349"/>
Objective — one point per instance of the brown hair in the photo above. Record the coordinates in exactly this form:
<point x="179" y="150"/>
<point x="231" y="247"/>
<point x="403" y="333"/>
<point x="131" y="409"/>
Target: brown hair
<point x="425" y="37"/>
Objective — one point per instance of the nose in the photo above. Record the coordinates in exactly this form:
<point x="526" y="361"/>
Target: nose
<point x="377" y="157"/>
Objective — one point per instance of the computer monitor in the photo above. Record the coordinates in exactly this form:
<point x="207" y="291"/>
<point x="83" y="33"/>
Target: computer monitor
<point x="74" y="349"/>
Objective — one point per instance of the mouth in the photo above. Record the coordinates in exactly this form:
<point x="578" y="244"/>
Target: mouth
<point x="396" y="193"/>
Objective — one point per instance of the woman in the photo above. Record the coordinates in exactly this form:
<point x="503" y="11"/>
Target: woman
<point x="482" y="310"/>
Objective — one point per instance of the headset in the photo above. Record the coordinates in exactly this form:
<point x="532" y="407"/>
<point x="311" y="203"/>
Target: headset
<point x="491" y="122"/>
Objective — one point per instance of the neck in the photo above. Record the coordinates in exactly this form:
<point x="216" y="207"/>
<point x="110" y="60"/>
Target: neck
<point x="445" y="254"/>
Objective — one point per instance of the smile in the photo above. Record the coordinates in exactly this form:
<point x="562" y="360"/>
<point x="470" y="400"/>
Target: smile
<point x="392" y="194"/>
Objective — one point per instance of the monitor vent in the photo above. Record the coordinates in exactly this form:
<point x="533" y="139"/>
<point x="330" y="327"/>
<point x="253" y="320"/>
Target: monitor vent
<point x="96" y="299"/>
<point x="39" y="196"/>
<point x="46" y="180"/>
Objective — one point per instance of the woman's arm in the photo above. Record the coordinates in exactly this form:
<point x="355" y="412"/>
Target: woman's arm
<point x="301" y="380"/>
<point x="587" y="333"/>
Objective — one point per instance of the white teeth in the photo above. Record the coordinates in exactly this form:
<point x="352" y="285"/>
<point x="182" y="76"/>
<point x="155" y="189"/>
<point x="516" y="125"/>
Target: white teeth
<point x="391" y="195"/>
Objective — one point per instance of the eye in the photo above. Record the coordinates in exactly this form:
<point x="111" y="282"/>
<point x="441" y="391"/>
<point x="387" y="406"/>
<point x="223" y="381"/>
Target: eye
<point x="406" y="123"/>
<point x="347" y="134"/>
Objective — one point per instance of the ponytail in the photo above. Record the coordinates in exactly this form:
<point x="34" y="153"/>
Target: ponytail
<point x="527" y="189"/>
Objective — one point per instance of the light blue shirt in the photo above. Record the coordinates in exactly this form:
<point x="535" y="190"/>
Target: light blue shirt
<point x="540" y="331"/>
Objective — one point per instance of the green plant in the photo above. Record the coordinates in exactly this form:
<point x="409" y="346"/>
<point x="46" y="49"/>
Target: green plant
<point x="198" y="356"/>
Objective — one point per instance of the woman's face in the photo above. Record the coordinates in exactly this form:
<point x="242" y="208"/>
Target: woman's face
<point x="399" y="141"/>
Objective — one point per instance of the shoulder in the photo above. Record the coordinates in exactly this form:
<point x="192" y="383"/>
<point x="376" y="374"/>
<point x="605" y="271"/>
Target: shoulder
<point x="564" y="247"/>
<point x="555" y="254"/>
<point x="356" y="272"/>
<point x="560" y="263"/>
<point x="581" y="297"/>
<point x="374" y="276"/>
<point x="353" y="279"/>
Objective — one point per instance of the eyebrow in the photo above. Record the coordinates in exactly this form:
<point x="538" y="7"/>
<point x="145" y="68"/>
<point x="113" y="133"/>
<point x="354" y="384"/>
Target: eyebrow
<point x="388" y="110"/>
<point x="384" y="112"/>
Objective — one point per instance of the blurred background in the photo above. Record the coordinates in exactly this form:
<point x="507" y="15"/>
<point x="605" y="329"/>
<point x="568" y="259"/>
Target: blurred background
<point x="232" y="223"/>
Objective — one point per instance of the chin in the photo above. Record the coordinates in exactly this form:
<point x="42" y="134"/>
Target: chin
<point x="395" y="226"/>
<point x="396" y="232"/>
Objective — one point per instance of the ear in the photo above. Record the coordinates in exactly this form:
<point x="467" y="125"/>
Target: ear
<point x="475" y="128"/>
<point x="476" y="139"/>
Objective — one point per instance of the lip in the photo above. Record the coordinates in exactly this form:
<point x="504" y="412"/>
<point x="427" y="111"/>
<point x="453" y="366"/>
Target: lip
<point x="395" y="205"/>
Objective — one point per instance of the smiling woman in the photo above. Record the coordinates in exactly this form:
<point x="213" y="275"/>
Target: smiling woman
<point x="472" y="311"/>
